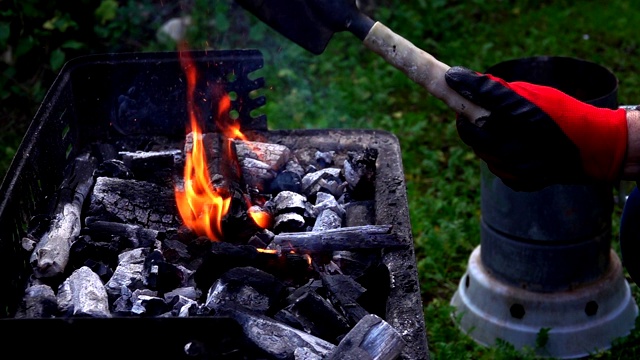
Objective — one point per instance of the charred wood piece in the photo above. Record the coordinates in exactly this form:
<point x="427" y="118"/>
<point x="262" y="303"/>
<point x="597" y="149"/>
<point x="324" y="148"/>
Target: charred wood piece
<point x="286" y="180"/>
<point x="133" y="236"/>
<point x="344" y="292"/>
<point x="114" y="168"/>
<point x="371" y="339"/>
<point x="275" y="156"/>
<point x="327" y="180"/>
<point x="327" y="220"/>
<point x="246" y="287"/>
<point x="356" y="237"/>
<point x="129" y="273"/>
<point x="277" y="340"/>
<point x="83" y="294"/>
<point x="289" y="222"/>
<point x="318" y="317"/>
<point x="324" y="158"/>
<point x="153" y="166"/>
<point x="51" y="254"/>
<point x="133" y="202"/>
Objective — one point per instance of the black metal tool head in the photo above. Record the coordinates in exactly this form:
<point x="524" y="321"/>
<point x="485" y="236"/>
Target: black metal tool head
<point x="294" y="19"/>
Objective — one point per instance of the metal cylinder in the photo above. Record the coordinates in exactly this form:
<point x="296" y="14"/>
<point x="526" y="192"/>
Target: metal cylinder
<point x="559" y="237"/>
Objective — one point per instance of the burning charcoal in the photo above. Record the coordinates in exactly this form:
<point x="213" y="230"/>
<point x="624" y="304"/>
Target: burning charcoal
<point x="39" y="301"/>
<point x="129" y="272"/>
<point x="247" y="287"/>
<point x="327" y="180"/>
<point x="221" y="257"/>
<point x="372" y="338"/>
<point x="133" y="202"/>
<point x="113" y="168"/>
<point x="134" y="236"/>
<point x="275" y="156"/>
<point x="356" y="237"/>
<point x="149" y="306"/>
<point x="286" y="180"/>
<point x="51" y="254"/>
<point x="324" y="158"/>
<point x="222" y="160"/>
<point x="278" y="340"/>
<point x="83" y="294"/>
<point x="359" y="213"/>
<point x="261" y="239"/>
<point x="327" y="220"/>
<point x="360" y="173"/>
<point x="153" y="166"/>
<point x="318" y="317"/>
<point x="344" y="292"/>
<point x="289" y="222"/>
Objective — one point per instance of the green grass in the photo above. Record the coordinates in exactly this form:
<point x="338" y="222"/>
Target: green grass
<point x="349" y="87"/>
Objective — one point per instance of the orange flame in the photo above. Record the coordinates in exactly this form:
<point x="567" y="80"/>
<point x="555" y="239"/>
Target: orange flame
<point x="201" y="205"/>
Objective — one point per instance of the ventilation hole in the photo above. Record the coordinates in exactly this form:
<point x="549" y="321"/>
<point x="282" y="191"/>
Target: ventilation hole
<point x="467" y="281"/>
<point x="231" y="77"/>
<point x="68" y="152"/>
<point x="517" y="311"/>
<point x="591" y="308"/>
<point x="234" y="114"/>
<point x="233" y="95"/>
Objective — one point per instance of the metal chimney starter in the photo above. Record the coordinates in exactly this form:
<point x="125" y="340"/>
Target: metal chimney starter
<point x="545" y="261"/>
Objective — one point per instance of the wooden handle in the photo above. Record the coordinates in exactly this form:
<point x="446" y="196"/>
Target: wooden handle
<point x="421" y="67"/>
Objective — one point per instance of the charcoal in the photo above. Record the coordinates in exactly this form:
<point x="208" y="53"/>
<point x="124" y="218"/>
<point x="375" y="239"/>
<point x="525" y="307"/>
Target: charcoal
<point x="39" y="301"/>
<point x="318" y="316"/>
<point x="133" y="236"/>
<point x="129" y="272"/>
<point x="85" y="249"/>
<point x="161" y="275"/>
<point x="113" y="168"/>
<point x="358" y="213"/>
<point x="177" y="302"/>
<point x="188" y="292"/>
<point x="289" y="222"/>
<point x="83" y="294"/>
<point x="344" y="293"/>
<point x="149" y="306"/>
<point x="103" y="270"/>
<point x="357" y="237"/>
<point x="123" y="303"/>
<point x="51" y="254"/>
<point x="327" y="180"/>
<point x="289" y="202"/>
<point x="175" y="251"/>
<point x="326" y="201"/>
<point x="133" y="202"/>
<point x="324" y="158"/>
<point x="327" y="220"/>
<point x="305" y="354"/>
<point x="360" y="173"/>
<point x="219" y="259"/>
<point x="247" y="287"/>
<point x="257" y="174"/>
<point x="277" y="340"/>
<point x="372" y="338"/>
<point x="275" y="156"/>
<point x="286" y="180"/>
<point x="152" y="166"/>
<point x="355" y="263"/>
<point x="295" y="167"/>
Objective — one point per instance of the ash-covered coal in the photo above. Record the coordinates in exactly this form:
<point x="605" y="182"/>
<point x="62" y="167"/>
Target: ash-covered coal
<point x="308" y="273"/>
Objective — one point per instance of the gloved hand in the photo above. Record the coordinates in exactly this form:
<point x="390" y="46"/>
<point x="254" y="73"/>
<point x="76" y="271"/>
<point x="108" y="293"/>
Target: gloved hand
<point x="537" y="136"/>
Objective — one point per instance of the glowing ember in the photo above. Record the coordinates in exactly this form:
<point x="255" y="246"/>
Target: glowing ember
<point x="260" y="217"/>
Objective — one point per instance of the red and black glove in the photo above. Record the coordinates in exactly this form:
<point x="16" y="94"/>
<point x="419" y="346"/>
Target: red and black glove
<point x="537" y="136"/>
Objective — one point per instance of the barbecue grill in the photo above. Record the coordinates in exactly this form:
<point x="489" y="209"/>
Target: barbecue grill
<point x="108" y="97"/>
